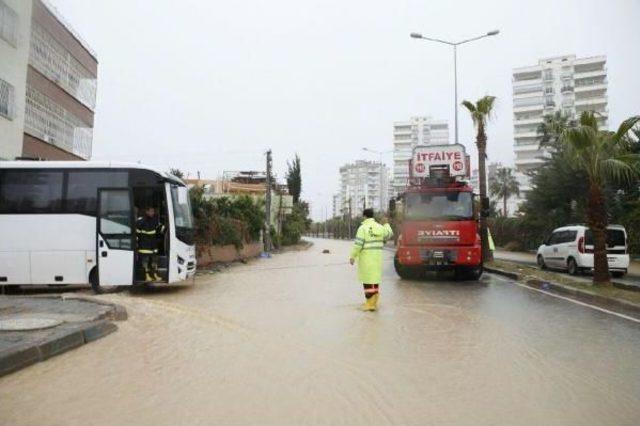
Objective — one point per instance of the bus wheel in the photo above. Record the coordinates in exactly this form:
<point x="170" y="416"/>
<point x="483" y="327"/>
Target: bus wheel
<point x="94" y="280"/>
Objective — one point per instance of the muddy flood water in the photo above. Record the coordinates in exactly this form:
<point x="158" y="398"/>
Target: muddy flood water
<point x="280" y="342"/>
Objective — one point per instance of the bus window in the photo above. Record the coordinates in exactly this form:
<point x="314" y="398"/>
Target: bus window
<point x="82" y="188"/>
<point x="182" y="213"/>
<point x="31" y="191"/>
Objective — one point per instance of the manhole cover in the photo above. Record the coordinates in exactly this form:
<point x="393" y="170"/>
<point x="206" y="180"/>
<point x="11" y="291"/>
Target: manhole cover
<point x="25" y="324"/>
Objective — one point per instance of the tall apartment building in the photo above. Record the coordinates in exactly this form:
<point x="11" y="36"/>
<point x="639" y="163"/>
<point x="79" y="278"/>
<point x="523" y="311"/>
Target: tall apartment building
<point x="563" y="83"/>
<point x="363" y="184"/>
<point x="48" y="83"/>
<point x="408" y="134"/>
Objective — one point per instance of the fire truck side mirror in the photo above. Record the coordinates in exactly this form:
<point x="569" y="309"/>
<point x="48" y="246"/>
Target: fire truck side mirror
<point x="484" y="207"/>
<point x="392" y="207"/>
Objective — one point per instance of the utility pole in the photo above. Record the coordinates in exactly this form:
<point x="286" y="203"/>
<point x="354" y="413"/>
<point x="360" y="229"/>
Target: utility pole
<point x="267" y="207"/>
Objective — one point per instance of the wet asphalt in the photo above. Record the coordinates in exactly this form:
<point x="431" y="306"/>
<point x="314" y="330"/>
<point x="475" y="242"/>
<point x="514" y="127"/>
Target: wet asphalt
<point x="280" y="341"/>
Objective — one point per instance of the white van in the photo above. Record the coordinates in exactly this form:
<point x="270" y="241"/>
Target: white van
<point x="571" y="248"/>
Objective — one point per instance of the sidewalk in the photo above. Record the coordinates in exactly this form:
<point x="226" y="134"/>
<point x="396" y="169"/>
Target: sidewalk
<point x="33" y="329"/>
<point x="529" y="258"/>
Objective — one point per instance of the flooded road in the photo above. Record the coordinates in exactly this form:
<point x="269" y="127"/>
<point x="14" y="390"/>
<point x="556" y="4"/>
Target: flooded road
<point x="280" y="342"/>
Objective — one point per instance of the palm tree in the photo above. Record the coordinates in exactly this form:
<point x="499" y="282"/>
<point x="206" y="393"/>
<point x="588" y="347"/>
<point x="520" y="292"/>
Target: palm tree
<point x="551" y="129"/>
<point x="504" y="184"/>
<point x="480" y="112"/>
<point x="603" y="156"/>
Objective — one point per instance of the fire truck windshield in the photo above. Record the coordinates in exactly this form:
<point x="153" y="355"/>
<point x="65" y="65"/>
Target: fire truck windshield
<point x="442" y="206"/>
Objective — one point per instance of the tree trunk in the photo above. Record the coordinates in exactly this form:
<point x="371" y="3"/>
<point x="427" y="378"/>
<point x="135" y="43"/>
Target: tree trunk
<point x="504" y="205"/>
<point x="481" y="142"/>
<point x="597" y="221"/>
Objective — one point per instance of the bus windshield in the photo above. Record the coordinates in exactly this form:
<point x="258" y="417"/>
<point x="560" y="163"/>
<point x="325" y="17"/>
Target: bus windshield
<point x="442" y="206"/>
<point x="182" y="213"/>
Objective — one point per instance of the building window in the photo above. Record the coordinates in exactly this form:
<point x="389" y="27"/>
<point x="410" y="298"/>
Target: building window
<point x="8" y="24"/>
<point x="7" y="100"/>
<point x="548" y="74"/>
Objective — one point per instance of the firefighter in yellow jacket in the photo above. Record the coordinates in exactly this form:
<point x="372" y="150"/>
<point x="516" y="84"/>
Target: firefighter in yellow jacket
<point x="367" y="249"/>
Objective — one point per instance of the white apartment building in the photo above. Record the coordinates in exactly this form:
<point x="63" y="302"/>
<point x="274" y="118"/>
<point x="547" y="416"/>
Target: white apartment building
<point x="15" y="26"/>
<point x="337" y="205"/>
<point x="408" y="134"/>
<point x="563" y="83"/>
<point x="363" y="184"/>
<point x="48" y="83"/>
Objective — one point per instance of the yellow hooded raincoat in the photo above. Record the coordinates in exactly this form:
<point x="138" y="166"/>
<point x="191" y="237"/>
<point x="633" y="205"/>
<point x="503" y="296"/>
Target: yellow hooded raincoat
<point x="367" y="248"/>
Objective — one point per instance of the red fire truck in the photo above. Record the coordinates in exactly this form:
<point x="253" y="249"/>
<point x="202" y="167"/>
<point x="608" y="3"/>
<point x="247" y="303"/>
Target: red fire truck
<point x="439" y="230"/>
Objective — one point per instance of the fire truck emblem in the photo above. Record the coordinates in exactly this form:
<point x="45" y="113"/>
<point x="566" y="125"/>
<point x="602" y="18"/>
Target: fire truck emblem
<point x="420" y="168"/>
<point x="457" y="166"/>
<point x="439" y="234"/>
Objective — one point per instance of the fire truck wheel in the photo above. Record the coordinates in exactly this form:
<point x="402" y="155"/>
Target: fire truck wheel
<point x="404" y="272"/>
<point x="469" y="274"/>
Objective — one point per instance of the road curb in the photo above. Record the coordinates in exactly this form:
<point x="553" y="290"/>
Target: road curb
<point x="56" y="343"/>
<point x="566" y="290"/>
<point x="117" y="312"/>
<point x="512" y="275"/>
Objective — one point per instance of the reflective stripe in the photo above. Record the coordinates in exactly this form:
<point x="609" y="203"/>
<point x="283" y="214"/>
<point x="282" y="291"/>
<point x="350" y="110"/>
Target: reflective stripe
<point x="371" y="290"/>
<point x="372" y="248"/>
<point x="142" y="231"/>
<point x="375" y="241"/>
<point x="373" y="245"/>
<point x="144" y="251"/>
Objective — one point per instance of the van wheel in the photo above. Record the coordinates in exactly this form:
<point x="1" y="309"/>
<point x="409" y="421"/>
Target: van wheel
<point x="94" y="280"/>
<point x="572" y="266"/>
<point x="540" y="261"/>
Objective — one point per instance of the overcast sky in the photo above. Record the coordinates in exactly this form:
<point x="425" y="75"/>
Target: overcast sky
<point x="209" y="85"/>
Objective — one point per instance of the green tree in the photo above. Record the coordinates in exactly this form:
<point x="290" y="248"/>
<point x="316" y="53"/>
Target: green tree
<point x="480" y="113"/>
<point x="604" y="157"/>
<point x="177" y="173"/>
<point x="294" y="179"/>
<point x="504" y="185"/>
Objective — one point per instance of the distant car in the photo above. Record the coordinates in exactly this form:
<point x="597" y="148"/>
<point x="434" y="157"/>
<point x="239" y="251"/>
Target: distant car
<point x="571" y="248"/>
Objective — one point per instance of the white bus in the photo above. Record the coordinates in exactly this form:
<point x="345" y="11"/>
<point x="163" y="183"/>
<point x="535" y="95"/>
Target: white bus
<point x="73" y="222"/>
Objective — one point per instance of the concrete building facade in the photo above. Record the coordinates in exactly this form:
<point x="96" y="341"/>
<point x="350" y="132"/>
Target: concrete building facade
<point x="408" y="134"/>
<point x="562" y="83"/>
<point x="54" y="74"/>
<point x="363" y="184"/>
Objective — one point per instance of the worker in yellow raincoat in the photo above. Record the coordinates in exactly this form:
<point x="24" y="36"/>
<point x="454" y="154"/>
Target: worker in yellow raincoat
<point x="367" y="249"/>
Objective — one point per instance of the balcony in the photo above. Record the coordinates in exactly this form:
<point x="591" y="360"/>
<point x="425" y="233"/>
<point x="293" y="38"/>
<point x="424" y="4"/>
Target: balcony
<point x="590" y="74"/>
<point x="566" y="89"/>
<point x="595" y="100"/>
<point x="526" y="148"/>
<point x="526" y="134"/>
<point x="537" y="81"/>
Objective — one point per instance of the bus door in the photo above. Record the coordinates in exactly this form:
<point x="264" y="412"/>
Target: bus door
<point x="114" y="239"/>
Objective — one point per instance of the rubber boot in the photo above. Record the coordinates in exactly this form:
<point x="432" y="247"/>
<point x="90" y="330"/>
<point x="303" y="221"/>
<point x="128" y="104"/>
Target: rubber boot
<point x="156" y="277"/>
<point x="368" y="305"/>
<point x="374" y="301"/>
<point x="148" y="277"/>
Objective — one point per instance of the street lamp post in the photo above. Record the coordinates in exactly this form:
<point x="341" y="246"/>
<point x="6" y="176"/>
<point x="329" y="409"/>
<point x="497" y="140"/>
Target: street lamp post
<point x="455" y="45"/>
